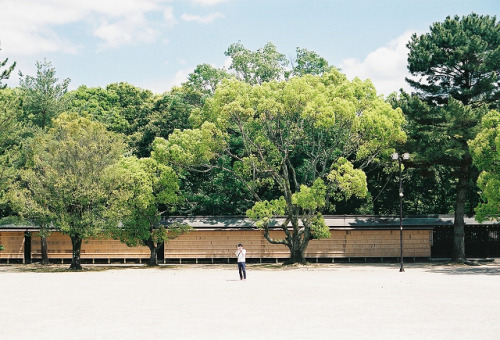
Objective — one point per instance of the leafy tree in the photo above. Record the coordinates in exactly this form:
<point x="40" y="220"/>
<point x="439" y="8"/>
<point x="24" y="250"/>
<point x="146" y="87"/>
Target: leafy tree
<point x="72" y="162"/>
<point x="11" y="136"/>
<point x="267" y="64"/>
<point x="151" y="191"/>
<point x="43" y="100"/>
<point x="100" y="105"/>
<point x="43" y="96"/>
<point x="459" y="59"/>
<point x="485" y="149"/>
<point x="134" y="105"/>
<point x="29" y="195"/>
<point x="215" y="191"/>
<point x="122" y="107"/>
<point x="205" y="79"/>
<point x="170" y="111"/>
<point x="5" y="73"/>
<point x="257" y="67"/>
<point x="300" y="138"/>
<point x="309" y="62"/>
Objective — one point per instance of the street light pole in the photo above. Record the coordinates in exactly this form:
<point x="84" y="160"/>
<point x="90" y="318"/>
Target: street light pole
<point x="400" y="158"/>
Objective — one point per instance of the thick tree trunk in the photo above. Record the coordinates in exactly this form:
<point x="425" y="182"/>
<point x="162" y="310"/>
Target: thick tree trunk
<point x="296" y="256"/>
<point x="297" y="249"/>
<point x="153" y="257"/>
<point x="45" y="253"/>
<point x="76" y="241"/>
<point x="153" y="260"/>
<point x="296" y="241"/>
<point x="458" y="255"/>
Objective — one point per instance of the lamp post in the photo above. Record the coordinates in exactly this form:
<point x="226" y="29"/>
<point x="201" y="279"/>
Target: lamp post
<point x="400" y="158"/>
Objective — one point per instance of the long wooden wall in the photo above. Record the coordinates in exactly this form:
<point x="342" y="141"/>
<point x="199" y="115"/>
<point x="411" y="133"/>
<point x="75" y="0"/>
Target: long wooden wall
<point x="205" y="244"/>
<point x="59" y="246"/>
<point x="342" y="243"/>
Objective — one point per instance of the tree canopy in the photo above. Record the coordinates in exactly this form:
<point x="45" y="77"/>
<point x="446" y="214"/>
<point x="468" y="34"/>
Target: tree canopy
<point x="43" y="96"/>
<point x="149" y="190"/>
<point x="70" y="169"/>
<point x="263" y="65"/>
<point x="299" y="138"/>
<point x="457" y="69"/>
<point x="485" y="149"/>
<point x="459" y="58"/>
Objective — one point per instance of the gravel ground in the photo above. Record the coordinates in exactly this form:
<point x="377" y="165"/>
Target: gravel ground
<point x="337" y="301"/>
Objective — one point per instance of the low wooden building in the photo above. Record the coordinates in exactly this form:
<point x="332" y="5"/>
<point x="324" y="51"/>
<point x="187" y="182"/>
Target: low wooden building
<point x="214" y="240"/>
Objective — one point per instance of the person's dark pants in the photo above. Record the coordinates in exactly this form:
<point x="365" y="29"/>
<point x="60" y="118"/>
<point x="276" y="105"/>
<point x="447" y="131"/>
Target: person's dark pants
<point x="242" y="270"/>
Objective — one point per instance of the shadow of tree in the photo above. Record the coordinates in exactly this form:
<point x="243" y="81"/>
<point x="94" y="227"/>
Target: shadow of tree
<point x="452" y="269"/>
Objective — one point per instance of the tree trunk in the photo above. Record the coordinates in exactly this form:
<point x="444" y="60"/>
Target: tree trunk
<point x="296" y="256"/>
<point x="458" y="255"/>
<point x="153" y="260"/>
<point x="297" y="249"/>
<point x="153" y="257"/>
<point x="76" y="241"/>
<point x="45" y="254"/>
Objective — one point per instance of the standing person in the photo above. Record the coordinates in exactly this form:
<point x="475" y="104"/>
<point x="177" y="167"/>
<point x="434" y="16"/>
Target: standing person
<point x="240" y="253"/>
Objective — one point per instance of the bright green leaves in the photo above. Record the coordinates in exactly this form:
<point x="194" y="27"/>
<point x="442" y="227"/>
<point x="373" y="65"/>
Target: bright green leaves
<point x="163" y="234"/>
<point x="310" y="198"/>
<point x="319" y="229"/>
<point x="190" y="147"/>
<point x="380" y="128"/>
<point x="148" y="189"/>
<point x="346" y="180"/>
<point x="69" y="177"/>
<point x="149" y="183"/>
<point x="262" y="212"/>
<point x="291" y="139"/>
<point x="485" y="150"/>
<point x="257" y="67"/>
<point x="309" y="62"/>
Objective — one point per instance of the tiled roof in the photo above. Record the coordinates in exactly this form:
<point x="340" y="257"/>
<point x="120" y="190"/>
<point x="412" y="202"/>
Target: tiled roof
<point x="333" y="221"/>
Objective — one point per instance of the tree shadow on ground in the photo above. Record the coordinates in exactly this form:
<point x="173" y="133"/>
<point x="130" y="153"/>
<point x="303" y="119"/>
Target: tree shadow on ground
<point x="460" y="269"/>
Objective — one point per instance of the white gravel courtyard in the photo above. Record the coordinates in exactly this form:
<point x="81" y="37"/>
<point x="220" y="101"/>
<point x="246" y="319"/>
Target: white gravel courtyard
<point x="337" y="301"/>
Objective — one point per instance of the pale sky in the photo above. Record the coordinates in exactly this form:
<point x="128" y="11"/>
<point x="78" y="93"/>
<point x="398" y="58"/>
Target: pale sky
<point x="155" y="44"/>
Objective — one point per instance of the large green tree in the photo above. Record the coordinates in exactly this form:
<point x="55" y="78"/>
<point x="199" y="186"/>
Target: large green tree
<point x="71" y="164"/>
<point x="455" y="69"/>
<point x="122" y="107"/>
<point x="267" y="64"/>
<point x="11" y="137"/>
<point x="205" y="79"/>
<point x="305" y="139"/>
<point x="485" y="149"/>
<point x="309" y="62"/>
<point x="263" y="65"/>
<point x="459" y="58"/>
<point x="43" y="99"/>
<point x="150" y="190"/>
<point x="43" y="95"/>
<point x="170" y="111"/>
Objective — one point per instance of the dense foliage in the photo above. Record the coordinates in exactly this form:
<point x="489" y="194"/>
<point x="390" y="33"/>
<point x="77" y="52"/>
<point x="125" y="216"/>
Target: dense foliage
<point x="297" y="139"/>
<point x="266" y="137"/>
<point x="456" y="72"/>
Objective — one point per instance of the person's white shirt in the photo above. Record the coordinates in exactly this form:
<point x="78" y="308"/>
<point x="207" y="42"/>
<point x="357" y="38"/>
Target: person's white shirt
<point x="241" y="254"/>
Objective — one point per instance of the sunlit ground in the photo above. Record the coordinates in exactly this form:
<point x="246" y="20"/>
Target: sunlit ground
<point x="337" y="301"/>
